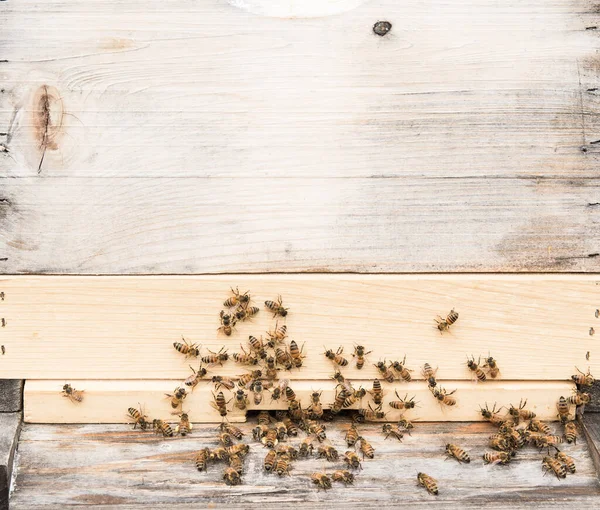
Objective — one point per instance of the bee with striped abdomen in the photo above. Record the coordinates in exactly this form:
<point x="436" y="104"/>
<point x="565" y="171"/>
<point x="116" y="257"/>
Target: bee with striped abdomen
<point x="343" y="476"/>
<point x="240" y="449"/>
<point x="520" y="413"/>
<point x="570" y="432"/>
<point x="257" y="391"/>
<point x="306" y="447"/>
<point x="283" y="465"/>
<point x="236" y="462"/>
<point x="277" y="336"/>
<point x="230" y="429"/>
<point x="161" y="427"/>
<point x="352" y="460"/>
<point x="538" y="426"/>
<point x="429" y="375"/>
<point x="270" y="439"/>
<point x="496" y="458"/>
<point x="231" y="476"/>
<point x="558" y="468"/>
<point x="318" y="430"/>
<point x="567" y="461"/>
<point x="428" y="482"/>
<point x="215" y="357"/>
<point x="223" y="382"/>
<point x="444" y="324"/>
<point x="290" y="451"/>
<point x="580" y="398"/>
<point x="296" y="354"/>
<point x="190" y="350"/>
<point x="492" y="416"/>
<point x="458" y="453"/>
<point x="401" y="369"/>
<point x="184" y="427"/>
<point x="201" y="459"/>
<point x="240" y="400"/>
<point x="366" y="448"/>
<point x="563" y="410"/>
<point x="492" y="365"/>
<point x="315" y="408"/>
<point x="359" y="353"/>
<point x="227" y="323"/>
<point x="219" y="454"/>
<point x="385" y="371"/>
<point x="321" y="480"/>
<point x="377" y="392"/>
<point x="226" y="439"/>
<point x="352" y="435"/>
<point x="338" y="404"/>
<point x="354" y="397"/>
<point x="372" y="414"/>
<point x="405" y="424"/>
<point x="582" y="379"/>
<point x="245" y="313"/>
<point x="277" y="307"/>
<point x="284" y="358"/>
<point x="196" y="377"/>
<point x="443" y="397"/>
<point x="177" y="397"/>
<point x="499" y="442"/>
<point x="402" y="403"/>
<point x="269" y="462"/>
<point x="474" y="367"/>
<point x="295" y="410"/>
<point x="220" y="404"/>
<point x="257" y="346"/>
<point x="327" y="452"/>
<point x="75" y="396"/>
<point x="237" y="298"/>
<point x="291" y="426"/>
<point x="245" y="379"/>
<point x="138" y="417"/>
<point x="388" y="430"/>
<point x="245" y="358"/>
<point x="281" y="429"/>
<point x="336" y="357"/>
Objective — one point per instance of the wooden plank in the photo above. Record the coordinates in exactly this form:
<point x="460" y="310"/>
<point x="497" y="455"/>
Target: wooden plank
<point x="591" y="427"/>
<point x="112" y="465"/>
<point x="536" y="326"/>
<point x="108" y="401"/>
<point x="485" y="109"/>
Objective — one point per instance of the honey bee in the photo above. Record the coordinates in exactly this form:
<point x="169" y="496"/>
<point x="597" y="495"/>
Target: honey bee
<point x="277" y="336"/>
<point x="227" y="323"/>
<point x="352" y="460"/>
<point x="499" y="442"/>
<point x="579" y="399"/>
<point x="236" y="462"/>
<point x="226" y="439"/>
<point x="563" y="409"/>
<point x="354" y="397"/>
<point x="401" y="369"/>
<point x="271" y="369"/>
<point x="244" y="379"/>
<point x="138" y="417"/>
<point x="570" y="432"/>
<point x="444" y="324"/>
<point x="443" y="397"/>
<point x="566" y="460"/>
<point x="184" y="427"/>
<point x="336" y="357"/>
<point x="75" y="396"/>
<point x="429" y="483"/>
<point x="240" y="400"/>
<point x="291" y="427"/>
<point x="582" y="379"/>
<point x="366" y="449"/>
<point x="270" y="439"/>
<point x="321" y="480"/>
<point x="177" y="397"/>
<point x="343" y="476"/>
<point x="296" y="354"/>
<point x="195" y="378"/>
<point x="388" y="431"/>
<point x="496" y="458"/>
<point x="281" y="431"/>
<point x="328" y="452"/>
<point x="223" y="382"/>
<point x="377" y="392"/>
<point x="277" y="307"/>
<point x="283" y="465"/>
<point x="215" y="357"/>
<point x="237" y="298"/>
<point x="284" y="358"/>
<point x="516" y="438"/>
<point x="550" y="464"/>
<point x="491" y="416"/>
<point x="230" y="429"/>
<point x="289" y="393"/>
<point x="359" y="354"/>
<point x="538" y="426"/>
<point x="521" y="412"/>
<point x="318" y="430"/>
<point x="306" y="447"/>
<point x="231" y="476"/>
<point x="316" y="408"/>
<point x="244" y="314"/>
<point x="219" y="453"/>
<point x="402" y="403"/>
<point x="269" y="462"/>
<point x="385" y="371"/>
<point x="490" y="363"/>
<point x="474" y="367"/>
<point x="257" y="390"/>
<point x="264" y="418"/>
<point x="372" y="414"/>
<point x="202" y="459"/>
<point x="406" y="425"/>
<point x="259" y="432"/>
<point x="238" y="449"/>
<point x="290" y="451"/>
<point x="190" y="350"/>
<point x="220" y="404"/>
<point x="244" y="358"/>
<point x="341" y="381"/>
<point x="295" y="410"/>
<point x="160" y="427"/>
<point x="338" y="404"/>
<point x="458" y="453"/>
<point x="257" y="346"/>
<point x="429" y="374"/>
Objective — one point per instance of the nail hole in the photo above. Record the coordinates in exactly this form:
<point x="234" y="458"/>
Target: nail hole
<point x="592" y="331"/>
<point x="382" y="27"/>
<point x="597" y="314"/>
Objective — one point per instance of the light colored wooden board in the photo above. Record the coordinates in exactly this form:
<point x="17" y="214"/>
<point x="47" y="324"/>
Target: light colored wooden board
<point x="192" y="123"/>
<point x="60" y="466"/>
<point x="114" y="327"/>
<point x="108" y="401"/>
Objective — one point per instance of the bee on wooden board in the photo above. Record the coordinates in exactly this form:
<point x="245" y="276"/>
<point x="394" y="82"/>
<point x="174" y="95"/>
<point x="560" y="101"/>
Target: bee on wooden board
<point x="257" y="346"/>
<point x="269" y="462"/>
<point x="281" y="431"/>
<point x="402" y="403"/>
<point x="401" y="369"/>
<point x="338" y="403"/>
<point x="499" y="442"/>
<point x="231" y="476"/>
<point x="245" y="358"/>
<point x="245" y="379"/>
<point x="377" y="392"/>
<point x="538" y="426"/>
<point x="405" y="424"/>
<point x="190" y="350"/>
<point x="372" y="414"/>
<point x="563" y="410"/>
<point x="295" y="410"/>
<point x="259" y="432"/>
<point x="246" y="313"/>
<point x="521" y="413"/>
<point x="215" y="358"/>
<point x="567" y="461"/>
<point x="428" y="482"/>
<point x="354" y="397"/>
<point x="291" y="426"/>
<point x="496" y="458"/>
<point x="492" y="416"/>
<point x="352" y="435"/>
<point x="315" y="408"/>
<point x="220" y="404"/>
<point x="138" y="417"/>
<point x="290" y="395"/>
<point x="579" y="399"/>
<point x="321" y="480"/>
<point x="443" y="397"/>
<point x="257" y="390"/>
<point x="570" y="432"/>
<point x="178" y="396"/>
<point x="343" y="476"/>
<point x="227" y="323"/>
<point x="359" y="353"/>
<point x="366" y="448"/>
<point x="283" y="465"/>
<point x="277" y="307"/>
<point x="75" y="396"/>
<point x="237" y="298"/>
<point x="240" y="400"/>
<point x="492" y="365"/>
<point x="352" y="460"/>
<point x="236" y="462"/>
<point x="558" y="468"/>
<point x="290" y="451"/>
<point x="429" y="375"/>
<point x="269" y="440"/>
<point x="264" y="418"/>
<point x="444" y="324"/>
<point x="296" y="354"/>
<point x="458" y="453"/>
<point x="184" y="427"/>
<point x="336" y="357"/>
<point x="477" y="371"/>
<point x="306" y="447"/>
<point x="328" y="452"/>
<point x="388" y="430"/>
<point x="196" y="376"/>
<point x="583" y="379"/>
<point x="241" y="450"/>
<point x="276" y="393"/>
<point x="318" y="430"/>
<point x="225" y="439"/>
<point x="161" y="427"/>
<point x="223" y="382"/>
<point x="202" y="458"/>
<point x="341" y="381"/>
<point x="385" y="371"/>
<point x="231" y="429"/>
<point x="277" y="336"/>
<point x="284" y="358"/>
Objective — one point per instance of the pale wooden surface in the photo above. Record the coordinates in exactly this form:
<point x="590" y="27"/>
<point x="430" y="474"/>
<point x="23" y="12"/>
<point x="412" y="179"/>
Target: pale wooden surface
<point x="78" y="466"/>
<point x="536" y="326"/>
<point x="108" y="401"/>
<point x="193" y="136"/>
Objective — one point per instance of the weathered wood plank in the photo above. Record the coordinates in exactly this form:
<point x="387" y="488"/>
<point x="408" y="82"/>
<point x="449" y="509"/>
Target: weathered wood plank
<point x="108" y="401"/>
<point x="537" y="327"/>
<point x="10" y="426"/>
<point x="65" y="465"/>
<point x="305" y="144"/>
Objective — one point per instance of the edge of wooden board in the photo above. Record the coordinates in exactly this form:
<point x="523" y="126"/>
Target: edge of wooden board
<point x="107" y="401"/>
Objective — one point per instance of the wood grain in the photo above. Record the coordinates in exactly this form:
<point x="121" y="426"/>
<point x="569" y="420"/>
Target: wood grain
<point x="108" y="401"/>
<point x="111" y="465"/>
<point x="537" y="327"/>
<point x="223" y="141"/>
